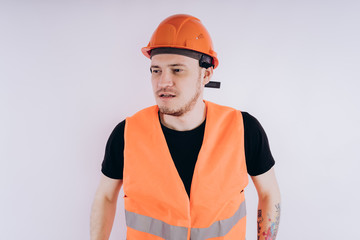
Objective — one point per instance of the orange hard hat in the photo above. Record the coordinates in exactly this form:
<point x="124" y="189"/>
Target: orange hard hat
<point x="184" y="32"/>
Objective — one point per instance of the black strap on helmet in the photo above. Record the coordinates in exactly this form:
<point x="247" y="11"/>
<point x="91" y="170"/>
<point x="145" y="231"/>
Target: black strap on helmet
<point x="213" y="84"/>
<point x="206" y="61"/>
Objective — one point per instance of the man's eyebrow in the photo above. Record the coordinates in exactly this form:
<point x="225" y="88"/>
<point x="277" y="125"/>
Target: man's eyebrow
<point x="170" y="65"/>
<point x="177" y="65"/>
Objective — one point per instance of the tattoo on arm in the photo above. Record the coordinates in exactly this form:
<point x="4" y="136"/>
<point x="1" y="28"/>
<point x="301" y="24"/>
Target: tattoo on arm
<point x="271" y="232"/>
<point x="259" y="221"/>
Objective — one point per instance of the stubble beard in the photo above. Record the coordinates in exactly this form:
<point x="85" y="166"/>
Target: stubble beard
<point x="187" y="107"/>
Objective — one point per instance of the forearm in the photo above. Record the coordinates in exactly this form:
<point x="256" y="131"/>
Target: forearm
<point x="268" y="218"/>
<point x="102" y="218"/>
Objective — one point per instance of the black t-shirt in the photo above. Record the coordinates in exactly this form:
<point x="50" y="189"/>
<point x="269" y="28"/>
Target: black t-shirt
<point x="184" y="147"/>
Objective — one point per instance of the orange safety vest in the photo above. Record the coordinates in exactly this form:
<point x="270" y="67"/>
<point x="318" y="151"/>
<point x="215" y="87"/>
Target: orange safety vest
<point x="157" y="205"/>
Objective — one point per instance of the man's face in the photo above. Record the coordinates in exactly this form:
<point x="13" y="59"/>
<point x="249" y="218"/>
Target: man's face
<point x="176" y="81"/>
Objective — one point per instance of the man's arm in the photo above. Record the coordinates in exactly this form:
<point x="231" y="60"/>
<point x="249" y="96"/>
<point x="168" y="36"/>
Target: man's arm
<point x="269" y="205"/>
<point x="104" y="208"/>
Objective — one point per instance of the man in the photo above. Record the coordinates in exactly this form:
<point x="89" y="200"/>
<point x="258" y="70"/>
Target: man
<point x="184" y="162"/>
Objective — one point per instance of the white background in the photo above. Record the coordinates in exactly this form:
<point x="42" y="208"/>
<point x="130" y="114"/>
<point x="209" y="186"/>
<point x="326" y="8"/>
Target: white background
<point x="71" y="70"/>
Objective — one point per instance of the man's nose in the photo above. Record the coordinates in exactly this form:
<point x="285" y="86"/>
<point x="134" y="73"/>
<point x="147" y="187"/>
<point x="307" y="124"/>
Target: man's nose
<point x="165" y="79"/>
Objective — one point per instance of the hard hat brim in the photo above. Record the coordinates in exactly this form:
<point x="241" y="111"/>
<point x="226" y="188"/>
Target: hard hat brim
<point x="146" y="51"/>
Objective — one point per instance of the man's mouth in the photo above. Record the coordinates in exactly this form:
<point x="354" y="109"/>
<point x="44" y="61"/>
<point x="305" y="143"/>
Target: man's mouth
<point x="166" y="95"/>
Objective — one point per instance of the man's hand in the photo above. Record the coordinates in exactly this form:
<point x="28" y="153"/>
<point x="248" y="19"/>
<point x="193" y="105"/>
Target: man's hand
<point x="104" y="208"/>
<point x="269" y="205"/>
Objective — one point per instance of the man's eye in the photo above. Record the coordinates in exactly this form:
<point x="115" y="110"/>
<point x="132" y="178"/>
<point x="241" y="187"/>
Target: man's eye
<point x="177" y="70"/>
<point x="154" y="70"/>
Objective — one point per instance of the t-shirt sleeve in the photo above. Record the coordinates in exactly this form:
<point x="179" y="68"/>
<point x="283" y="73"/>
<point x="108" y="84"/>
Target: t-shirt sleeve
<point x="257" y="150"/>
<point x="113" y="163"/>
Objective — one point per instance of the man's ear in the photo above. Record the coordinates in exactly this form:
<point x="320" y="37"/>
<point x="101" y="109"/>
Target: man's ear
<point x="208" y="72"/>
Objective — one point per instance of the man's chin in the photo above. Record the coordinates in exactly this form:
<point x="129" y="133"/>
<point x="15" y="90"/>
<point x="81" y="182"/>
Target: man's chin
<point x="170" y="111"/>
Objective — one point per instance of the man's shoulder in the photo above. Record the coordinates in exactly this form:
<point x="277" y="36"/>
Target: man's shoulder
<point x="226" y="109"/>
<point x="118" y="131"/>
<point x="220" y="106"/>
<point x="249" y="120"/>
<point x="145" y="111"/>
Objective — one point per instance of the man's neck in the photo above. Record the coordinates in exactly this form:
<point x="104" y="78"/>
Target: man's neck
<point x="190" y="120"/>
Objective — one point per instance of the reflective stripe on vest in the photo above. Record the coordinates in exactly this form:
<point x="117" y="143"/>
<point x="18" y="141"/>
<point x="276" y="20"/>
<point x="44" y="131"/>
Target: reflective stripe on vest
<point x="154" y="226"/>
<point x="169" y="232"/>
<point x="219" y="228"/>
